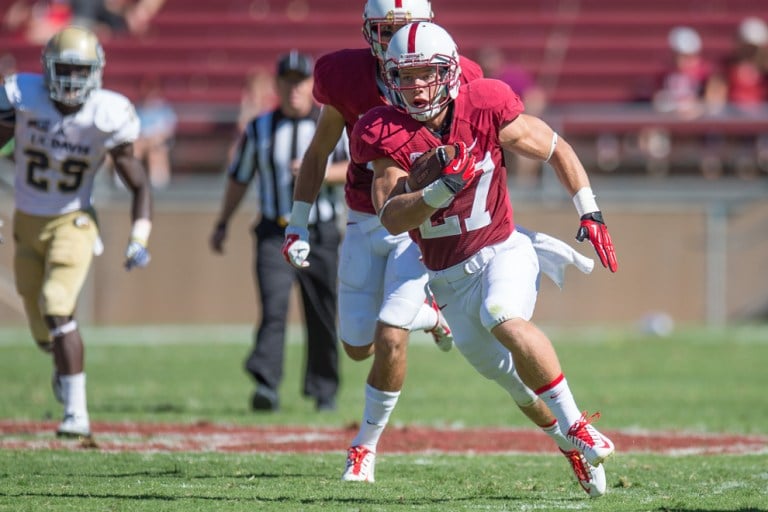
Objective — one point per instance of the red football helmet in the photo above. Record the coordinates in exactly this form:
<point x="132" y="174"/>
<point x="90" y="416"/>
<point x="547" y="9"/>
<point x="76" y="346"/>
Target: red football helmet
<point x="380" y="15"/>
<point x="423" y="45"/>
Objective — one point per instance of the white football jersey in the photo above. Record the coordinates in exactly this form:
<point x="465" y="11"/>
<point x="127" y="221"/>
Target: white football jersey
<point x="57" y="156"/>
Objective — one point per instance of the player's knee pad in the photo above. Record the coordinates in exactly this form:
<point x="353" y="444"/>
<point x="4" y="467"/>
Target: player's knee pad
<point x="399" y="312"/>
<point x="356" y="327"/>
<point x="355" y="260"/>
<point x="63" y="329"/>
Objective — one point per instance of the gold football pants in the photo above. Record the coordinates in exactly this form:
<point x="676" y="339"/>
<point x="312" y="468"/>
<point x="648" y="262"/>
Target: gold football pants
<point x="52" y="259"/>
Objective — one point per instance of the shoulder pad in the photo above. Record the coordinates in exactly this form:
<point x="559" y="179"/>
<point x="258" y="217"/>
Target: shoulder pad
<point x="487" y="93"/>
<point x="24" y="90"/>
<point x="112" y="111"/>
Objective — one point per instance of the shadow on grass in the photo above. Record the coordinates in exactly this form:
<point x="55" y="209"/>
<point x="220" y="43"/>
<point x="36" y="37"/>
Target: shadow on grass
<point x="174" y="472"/>
<point x="355" y="501"/>
<point x="162" y="408"/>
<point x="748" y="509"/>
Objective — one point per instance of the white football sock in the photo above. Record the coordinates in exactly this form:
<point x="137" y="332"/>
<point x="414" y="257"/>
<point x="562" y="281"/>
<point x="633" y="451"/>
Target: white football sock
<point x="73" y="387"/>
<point x="378" y="407"/>
<point x="558" y="397"/>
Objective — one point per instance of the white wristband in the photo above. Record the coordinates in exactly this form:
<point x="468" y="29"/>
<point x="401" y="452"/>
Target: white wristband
<point x="436" y="194"/>
<point x="300" y="214"/>
<point x="584" y="201"/>
<point x="141" y="230"/>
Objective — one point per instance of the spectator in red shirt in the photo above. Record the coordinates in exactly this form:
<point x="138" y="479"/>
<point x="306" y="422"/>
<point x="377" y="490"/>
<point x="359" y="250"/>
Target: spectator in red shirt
<point x="745" y="69"/>
<point x="744" y="78"/>
<point x="685" y="90"/>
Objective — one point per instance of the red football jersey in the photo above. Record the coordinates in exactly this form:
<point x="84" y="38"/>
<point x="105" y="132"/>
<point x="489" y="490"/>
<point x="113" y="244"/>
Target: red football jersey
<point x="347" y="81"/>
<point x="481" y="213"/>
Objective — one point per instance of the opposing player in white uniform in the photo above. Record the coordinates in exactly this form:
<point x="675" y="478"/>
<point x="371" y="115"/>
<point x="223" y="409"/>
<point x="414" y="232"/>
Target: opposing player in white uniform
<point x="482" y="270"/>
<point x="64" y="126"/>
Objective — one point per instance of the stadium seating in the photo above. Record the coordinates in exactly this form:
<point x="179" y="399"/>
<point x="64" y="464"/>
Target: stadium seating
<point x="582" y="51"/>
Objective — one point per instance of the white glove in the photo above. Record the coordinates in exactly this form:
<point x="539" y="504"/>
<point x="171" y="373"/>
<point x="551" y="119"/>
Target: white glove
<point x="296" y="246"/>
<point x="136" y="255"/>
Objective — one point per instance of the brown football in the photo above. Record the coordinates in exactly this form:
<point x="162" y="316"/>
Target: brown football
<point x="429" y="166"/>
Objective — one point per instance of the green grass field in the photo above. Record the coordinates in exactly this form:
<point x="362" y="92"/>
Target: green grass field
<point x="695" y="381"/>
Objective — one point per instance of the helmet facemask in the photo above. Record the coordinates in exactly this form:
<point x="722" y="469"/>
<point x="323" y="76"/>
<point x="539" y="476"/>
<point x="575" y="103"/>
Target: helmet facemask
<point x="73" y="62"/>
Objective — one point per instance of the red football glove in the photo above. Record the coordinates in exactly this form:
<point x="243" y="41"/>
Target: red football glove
<point x="593" y="228"/>
<point x="459" y="171"/>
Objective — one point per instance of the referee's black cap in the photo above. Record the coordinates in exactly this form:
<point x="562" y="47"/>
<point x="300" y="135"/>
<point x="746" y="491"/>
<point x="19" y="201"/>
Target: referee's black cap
<point x="295" y="62"/>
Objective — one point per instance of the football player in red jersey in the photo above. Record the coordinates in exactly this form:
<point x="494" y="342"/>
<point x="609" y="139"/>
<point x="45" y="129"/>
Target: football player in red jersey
<point x="381" y="280"/>
<point x="482" y="271"/>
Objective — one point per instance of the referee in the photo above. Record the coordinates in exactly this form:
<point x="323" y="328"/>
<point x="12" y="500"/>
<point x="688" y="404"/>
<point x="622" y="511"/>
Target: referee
<point x="270" y="149"/>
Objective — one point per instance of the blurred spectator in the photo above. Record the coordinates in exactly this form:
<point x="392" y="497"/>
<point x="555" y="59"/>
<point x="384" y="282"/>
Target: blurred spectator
<point x="258" y="96"/>
<point x="744" y="78"/>
<point x="685" y="90"/>
<point x="495" y="65"/>
<point x="115" y="16"/>
<point x="37" y="20"/>
<point x="158" y="129"/>
<point x="745" y="69"/>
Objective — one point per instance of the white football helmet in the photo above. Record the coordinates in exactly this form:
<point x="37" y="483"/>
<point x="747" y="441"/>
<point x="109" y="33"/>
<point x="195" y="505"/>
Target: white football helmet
<point x="380" y="13"/>
<point x="421" y="45"/>
<point x="73" y="61"/>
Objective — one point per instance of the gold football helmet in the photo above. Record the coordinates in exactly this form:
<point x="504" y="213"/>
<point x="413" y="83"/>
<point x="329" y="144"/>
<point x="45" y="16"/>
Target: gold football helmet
<point x="73" y="61"/>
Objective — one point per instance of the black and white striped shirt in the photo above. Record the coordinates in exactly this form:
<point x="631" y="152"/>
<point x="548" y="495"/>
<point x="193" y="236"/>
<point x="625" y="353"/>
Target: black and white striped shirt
<point x="267" y="147"/>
